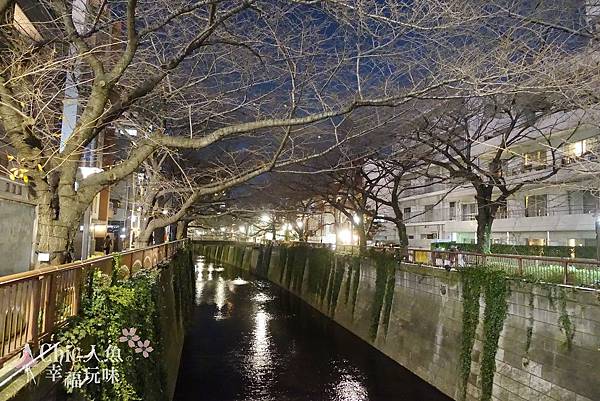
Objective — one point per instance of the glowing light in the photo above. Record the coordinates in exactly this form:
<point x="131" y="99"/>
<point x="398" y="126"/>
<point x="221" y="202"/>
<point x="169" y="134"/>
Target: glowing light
<point x="239" y="281"/>
<point x="242" y="229"/>
<point x="223" y="229"/>
<point x="356" y="219"/>
<point x="345" y="236"/>
<point x="300" y="224"/>
<point x="265" y="218"/>
<point x="165" y="212"/>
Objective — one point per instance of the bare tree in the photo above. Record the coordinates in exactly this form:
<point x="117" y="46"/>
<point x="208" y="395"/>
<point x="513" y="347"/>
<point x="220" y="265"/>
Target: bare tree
<point x="191" y="74"/>
<point x="478" y="143"/>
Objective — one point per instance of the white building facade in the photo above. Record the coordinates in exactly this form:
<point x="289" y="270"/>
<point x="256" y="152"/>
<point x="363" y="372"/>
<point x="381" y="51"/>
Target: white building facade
<point x="561" y="210"/>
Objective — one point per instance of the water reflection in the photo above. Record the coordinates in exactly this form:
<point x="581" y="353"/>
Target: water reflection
<point x="251" y="341"/>
<point x="349" y="386"/>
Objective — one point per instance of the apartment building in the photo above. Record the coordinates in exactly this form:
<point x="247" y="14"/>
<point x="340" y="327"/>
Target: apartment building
<point x="561" y="210"/>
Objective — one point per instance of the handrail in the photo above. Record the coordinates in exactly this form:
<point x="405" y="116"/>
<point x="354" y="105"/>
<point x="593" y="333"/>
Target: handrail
<point x="33" y="303"/>
<point x="567" y="271"/>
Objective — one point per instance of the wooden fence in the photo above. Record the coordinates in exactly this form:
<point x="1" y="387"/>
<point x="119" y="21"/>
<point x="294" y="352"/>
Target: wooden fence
<point x="33" y="303"/>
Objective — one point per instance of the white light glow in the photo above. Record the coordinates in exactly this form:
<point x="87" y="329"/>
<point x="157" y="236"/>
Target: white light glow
<point x="300" y="224"/>
<point x="356" y="219"/>
<point x="242" y="229"/>
<point x="265" y="218"/>
<point x="345" y="236"/>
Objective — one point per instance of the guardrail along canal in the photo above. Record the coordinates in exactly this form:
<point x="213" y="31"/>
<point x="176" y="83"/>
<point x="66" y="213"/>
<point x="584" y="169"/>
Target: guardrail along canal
<point x="252" y="341"/>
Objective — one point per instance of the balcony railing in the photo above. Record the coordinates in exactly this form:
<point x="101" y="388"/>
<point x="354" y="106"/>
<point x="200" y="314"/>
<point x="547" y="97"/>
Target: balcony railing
<point x="34" y="303"/>
<point x="450" y="214"/>
<point x="13" y="189"/>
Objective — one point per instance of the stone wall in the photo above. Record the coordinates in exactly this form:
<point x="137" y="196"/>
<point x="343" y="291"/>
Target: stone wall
<point x="549" y="336"/>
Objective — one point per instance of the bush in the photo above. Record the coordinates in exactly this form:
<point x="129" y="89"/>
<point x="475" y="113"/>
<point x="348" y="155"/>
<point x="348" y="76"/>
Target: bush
<point x="114" y="305"/>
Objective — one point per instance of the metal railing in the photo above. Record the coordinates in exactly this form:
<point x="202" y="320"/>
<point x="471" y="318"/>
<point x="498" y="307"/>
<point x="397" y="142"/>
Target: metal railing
<point x="34" y="303"/>
<point x="568" y="271"/>
<point x="451" y="214"/>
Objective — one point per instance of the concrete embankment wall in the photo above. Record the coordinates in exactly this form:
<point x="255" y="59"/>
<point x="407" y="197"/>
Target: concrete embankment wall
<point x="541" y="342"/>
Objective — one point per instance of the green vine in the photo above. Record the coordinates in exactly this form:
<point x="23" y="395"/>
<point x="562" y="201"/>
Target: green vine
<point x="494" y="287"/>
<point x="529" y="326"/>
<point x="470" y="319"/>
<point x="564" y="320"/>
<point x="123" y="304"/>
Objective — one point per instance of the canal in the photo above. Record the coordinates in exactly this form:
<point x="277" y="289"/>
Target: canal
<point x="252" y="341"/>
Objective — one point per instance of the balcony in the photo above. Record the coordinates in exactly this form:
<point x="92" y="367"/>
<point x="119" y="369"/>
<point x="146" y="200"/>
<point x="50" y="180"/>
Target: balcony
<point x="12" y="189"/>
<point x="450" y="214"/>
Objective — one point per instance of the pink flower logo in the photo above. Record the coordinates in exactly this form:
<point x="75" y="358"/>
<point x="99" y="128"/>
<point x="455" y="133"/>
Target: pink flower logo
<point x="144" y="348"/>
<point x="129" y="337"/>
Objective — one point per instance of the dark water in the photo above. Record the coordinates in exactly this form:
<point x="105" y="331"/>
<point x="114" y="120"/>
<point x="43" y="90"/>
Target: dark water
<point x="251" y="341"/>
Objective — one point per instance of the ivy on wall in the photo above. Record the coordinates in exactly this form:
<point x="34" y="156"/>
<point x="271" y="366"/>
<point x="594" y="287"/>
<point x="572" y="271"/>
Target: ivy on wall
<point x="564" y="320"/>
<point x="114" y="305"/>
<point x="494" y="287"/>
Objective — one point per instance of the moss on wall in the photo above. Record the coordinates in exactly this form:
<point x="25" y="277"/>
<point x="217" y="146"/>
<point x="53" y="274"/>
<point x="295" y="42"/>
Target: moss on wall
<point x="384" y="293"/>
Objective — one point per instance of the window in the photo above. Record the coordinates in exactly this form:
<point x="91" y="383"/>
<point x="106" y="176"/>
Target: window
<point x="469" y="211"/>
<point x="452" y="211"/>
<point x="585" y="149"/>
<point x="536" y="241"/>
<point x="406" y="212"/>
<point x="583" y="202"/>
<point x="411" y="237"/>
<point x="535" y="160"/>
<point x="536" y="205"/>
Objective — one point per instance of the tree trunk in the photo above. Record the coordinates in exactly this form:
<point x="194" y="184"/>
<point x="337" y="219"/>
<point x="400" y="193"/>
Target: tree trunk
<point x="56" y="232"/>
<point x="486" y="212"/>
<point x="144" y="238"/>
<point x="182" y="226"/>
<point x="402" y="239"/>
<point x="402" y="236"/>
<point x="362" y="238"/>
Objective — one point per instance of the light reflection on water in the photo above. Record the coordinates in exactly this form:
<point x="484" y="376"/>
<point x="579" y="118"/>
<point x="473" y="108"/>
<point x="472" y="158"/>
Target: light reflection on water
<point x="250" y="343"/>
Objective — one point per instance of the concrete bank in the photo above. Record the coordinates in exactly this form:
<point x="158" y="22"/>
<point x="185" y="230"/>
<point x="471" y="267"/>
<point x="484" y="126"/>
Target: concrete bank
<point x="541" y="342"/>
